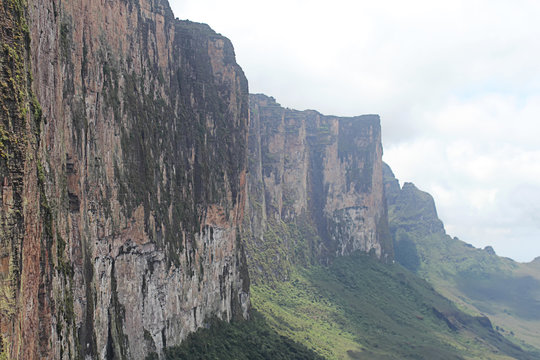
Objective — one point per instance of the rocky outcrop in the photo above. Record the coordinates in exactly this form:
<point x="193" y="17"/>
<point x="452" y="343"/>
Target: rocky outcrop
<point x="476" y="279"/>
<point x="123" y="193"/>
<point x="315" y="188"/>
<point x="411" y="215"/>
<point x="410" y="209"/>
<point x="391" y="185"/>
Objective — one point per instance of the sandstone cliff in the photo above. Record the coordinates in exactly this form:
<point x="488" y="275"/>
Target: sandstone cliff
<point x="123" y="145"/>
<point x="315" y="188"/>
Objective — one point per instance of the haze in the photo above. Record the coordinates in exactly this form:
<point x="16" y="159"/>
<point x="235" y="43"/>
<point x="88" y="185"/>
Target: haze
<point x="457" y="85"/>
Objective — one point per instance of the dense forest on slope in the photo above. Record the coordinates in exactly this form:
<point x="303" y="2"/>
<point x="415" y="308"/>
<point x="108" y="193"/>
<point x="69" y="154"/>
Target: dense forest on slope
<point x="241" y="340"/>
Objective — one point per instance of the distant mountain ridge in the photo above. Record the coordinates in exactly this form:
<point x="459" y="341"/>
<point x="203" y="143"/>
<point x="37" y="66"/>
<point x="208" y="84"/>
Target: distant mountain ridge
<point x="478" y="280"/>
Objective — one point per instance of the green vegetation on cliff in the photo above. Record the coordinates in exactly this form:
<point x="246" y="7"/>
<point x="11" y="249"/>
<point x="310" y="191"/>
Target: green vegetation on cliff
<point x="20" y="170"/>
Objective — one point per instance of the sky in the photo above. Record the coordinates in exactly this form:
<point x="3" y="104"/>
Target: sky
<point x="456" y="83"/>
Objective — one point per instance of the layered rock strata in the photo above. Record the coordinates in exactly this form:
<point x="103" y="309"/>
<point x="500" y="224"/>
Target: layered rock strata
<point x="315" y="188"/>
<point x="123" y="167"/>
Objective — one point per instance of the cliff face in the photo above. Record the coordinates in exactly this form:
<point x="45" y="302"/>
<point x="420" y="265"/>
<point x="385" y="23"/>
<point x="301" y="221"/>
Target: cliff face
<point x="123" y="192"/>
<point x="315" y="188"/>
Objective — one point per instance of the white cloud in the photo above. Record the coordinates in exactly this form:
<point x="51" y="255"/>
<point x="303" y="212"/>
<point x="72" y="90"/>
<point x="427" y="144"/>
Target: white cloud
<point x="457" y="85"/>
<point x="482" y="167"/>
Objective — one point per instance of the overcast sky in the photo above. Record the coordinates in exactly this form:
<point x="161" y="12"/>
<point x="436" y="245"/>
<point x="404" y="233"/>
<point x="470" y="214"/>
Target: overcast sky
<point x="457" y="85"/>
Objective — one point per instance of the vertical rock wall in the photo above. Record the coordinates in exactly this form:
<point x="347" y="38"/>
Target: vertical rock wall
<point x="123" y="193"/>
<point x="25" y="234"/>
<point x="315" y="188"/>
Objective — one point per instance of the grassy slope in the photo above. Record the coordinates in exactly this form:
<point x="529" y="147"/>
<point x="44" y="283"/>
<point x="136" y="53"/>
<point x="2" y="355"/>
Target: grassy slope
<point x="360" y="309"/>
<point x="479" y="281"/>
<point x="482" y="283"/>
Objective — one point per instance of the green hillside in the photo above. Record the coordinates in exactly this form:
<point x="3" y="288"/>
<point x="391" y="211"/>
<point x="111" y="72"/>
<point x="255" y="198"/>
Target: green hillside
<point x="358" y="308"/>
<point x="478" y="281"/>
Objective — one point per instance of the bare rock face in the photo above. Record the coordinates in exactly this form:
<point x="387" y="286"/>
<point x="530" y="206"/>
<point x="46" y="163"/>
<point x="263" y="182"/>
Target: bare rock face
<point x="315" y="188"/>
<point x="123" y="193"/>
<point x="410" y="209"/>
<point x="392" y="188"/>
